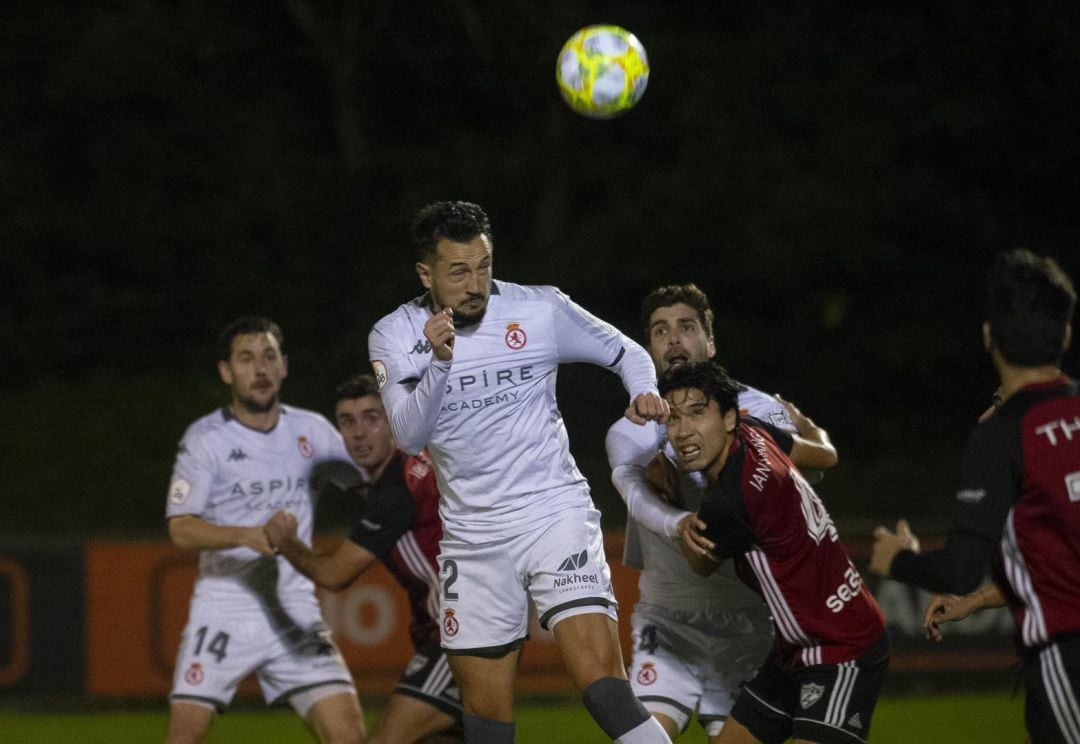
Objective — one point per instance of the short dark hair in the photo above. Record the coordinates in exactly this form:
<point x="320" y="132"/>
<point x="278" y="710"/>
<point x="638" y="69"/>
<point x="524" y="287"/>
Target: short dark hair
<point x="357" y="386"/>
<point x="1030" y="300"/>
<point x="708" y="377"/>
<point x="673" y="294"/>
<point x="459" y="221"/>
<point x="245" y="326"/>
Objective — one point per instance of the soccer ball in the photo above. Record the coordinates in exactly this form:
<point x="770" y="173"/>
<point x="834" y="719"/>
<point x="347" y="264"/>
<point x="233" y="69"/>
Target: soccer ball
<point x="602" y="71"/>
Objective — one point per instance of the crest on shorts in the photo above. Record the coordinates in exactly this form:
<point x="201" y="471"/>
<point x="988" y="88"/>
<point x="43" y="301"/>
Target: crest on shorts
<point x="647" y="675"/>
<point x="810" y="694"/>
<point x="194" y="674"/>
<point x="450" y="624"/>
<point x="515" y="336"/>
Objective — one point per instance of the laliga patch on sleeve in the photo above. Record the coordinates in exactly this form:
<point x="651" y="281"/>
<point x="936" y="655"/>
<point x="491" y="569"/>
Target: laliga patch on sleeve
<point x="179" y="491"/>
<point x="380" y="373"/>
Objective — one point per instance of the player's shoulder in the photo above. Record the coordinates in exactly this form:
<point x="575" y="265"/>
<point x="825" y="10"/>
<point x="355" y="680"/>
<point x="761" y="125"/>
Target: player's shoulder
<point x="527" y="292"/>
<point x="404" y="314"/>
<point x="764" y="407"/>
<point x="207" y="426"/>
<point x="304" y="418"/>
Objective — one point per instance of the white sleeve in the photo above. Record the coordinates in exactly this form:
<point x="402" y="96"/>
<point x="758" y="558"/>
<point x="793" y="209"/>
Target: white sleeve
<point x="630" y="448"/>
<point x="412" y="398"/>
<point x="582" y="337"/>
<point x="192" y="477"/>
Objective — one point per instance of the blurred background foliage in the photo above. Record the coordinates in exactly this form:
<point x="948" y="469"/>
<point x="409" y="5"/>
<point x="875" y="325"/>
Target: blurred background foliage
<point x="835" y="177"/>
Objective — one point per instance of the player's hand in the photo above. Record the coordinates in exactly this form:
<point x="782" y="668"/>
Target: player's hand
<point x="280" y="529"/>
<point x="662" y="475"/>
<point x="647" y="407"/>
<point x="690" y="528"/>
<point x="994" y="405"/>
<point x="255" y="539"/>
<point x="888" y="543"/>
<point x="945" y="608"/>
<point x="439" y="331"/>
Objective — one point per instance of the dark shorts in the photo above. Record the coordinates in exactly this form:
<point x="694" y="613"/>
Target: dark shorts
<point x="827" y="703"/>
<point x="427" y="677"/>
<point x="1052" y="685"/>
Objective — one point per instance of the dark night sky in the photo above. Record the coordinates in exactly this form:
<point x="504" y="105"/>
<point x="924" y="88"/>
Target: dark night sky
<point x="835" y="177"/>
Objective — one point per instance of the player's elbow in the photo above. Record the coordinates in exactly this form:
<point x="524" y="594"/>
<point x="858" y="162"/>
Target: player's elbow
<point x="180" y="532"/>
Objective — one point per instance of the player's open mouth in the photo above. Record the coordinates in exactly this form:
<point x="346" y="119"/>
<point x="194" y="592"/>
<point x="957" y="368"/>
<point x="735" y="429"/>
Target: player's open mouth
<point x="689" y="452"/>
<point x="675" y="360"/>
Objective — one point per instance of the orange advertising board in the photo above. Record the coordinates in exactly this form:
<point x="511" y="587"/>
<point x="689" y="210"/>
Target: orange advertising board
<point x="137" y="599"/>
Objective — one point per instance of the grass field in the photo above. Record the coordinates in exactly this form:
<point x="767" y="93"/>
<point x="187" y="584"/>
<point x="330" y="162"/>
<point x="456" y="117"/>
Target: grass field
<point x="986" y="719"/>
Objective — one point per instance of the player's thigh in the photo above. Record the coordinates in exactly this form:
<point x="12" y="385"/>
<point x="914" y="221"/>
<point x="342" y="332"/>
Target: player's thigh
<point x="1052" y="689"/>
<point x="589" y="643"/>
<point x="835" y="702"/>
<point x="483" y="600"/>
<point x="734" y="733"/>
<point x="306" y="666"/>
<point x="219" y="647"/>
<point x="662" y="671"/>
<point x="409" y="719"/>
<point x="337" y="718"/>
<point x="566" y="568"/>
<point x="189" y="722"/>
<point x="487" y="684"/>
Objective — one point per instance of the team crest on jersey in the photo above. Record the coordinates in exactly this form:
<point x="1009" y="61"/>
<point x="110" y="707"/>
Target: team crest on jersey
<point x="515" y="336"/>
<point x="647" y="675"/>
<point x="419" y="469"/>
<point x="179" y="491"/>
<point x="380" y="373"/>
<point x="450" y="624"/>
<point x="306" y="449"/>
<point x="810" y="694"/>
<point x="194" y="675"/>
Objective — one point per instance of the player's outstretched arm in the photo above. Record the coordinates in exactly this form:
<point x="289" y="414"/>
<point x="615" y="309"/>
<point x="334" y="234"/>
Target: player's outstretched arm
<point x="333" y="570"/>
<point x="192" y="532"/>
<point x="811" y="447"/>
<point x="630" y="449"/>
<point x="944" y="608"/>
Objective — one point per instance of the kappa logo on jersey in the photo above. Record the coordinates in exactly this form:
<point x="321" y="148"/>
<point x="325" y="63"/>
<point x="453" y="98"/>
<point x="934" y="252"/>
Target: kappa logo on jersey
<point x="810" y="694"/>
<point x="179" y="491"/>
<point x="423" y="346"/>
<point x="237" y="455"/>
<point x="515" y="336"/>
<point x="1072" y="485"/>
<point x="305" y="447"/>
<point x="380" y="373"/>
<point x="647" y="674"/>
<point x="194" y="675"/>
<point x="450" y="624"/>
<point x="574" y="562"/>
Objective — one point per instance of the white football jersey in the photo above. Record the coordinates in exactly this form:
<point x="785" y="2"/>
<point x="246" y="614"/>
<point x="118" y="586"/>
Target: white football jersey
<point x="666" y="579"/>
<point x="489" y="417"/>
<point x="229" y="474"/>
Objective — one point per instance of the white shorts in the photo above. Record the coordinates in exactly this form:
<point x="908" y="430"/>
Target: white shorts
<point x="486" y="588"/>
<point x="223" y="645"/>
<point x="687" y="661"/>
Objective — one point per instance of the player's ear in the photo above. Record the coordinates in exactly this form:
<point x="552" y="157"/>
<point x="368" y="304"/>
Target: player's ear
<point x="710" y="347"/>
<point x="988" y="339"/>
<point x="285" y="365"/>
<point x="731" y="420"/>
<point x="225" y="372"/>
<point x="1067" y="341"/>
<point x="424" y="272"/>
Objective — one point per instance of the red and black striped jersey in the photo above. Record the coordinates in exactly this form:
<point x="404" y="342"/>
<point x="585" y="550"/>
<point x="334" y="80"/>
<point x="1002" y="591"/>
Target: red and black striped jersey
<point x="401" y="527"/>
<point x="1018" y="504"/>
<point x="762" y="513"/>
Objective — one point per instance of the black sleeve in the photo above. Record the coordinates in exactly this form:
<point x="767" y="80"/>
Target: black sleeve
<point x="727" y="522"/>
<point x="783" y="439"/>
<point x="987" y="492"/>
<point x="390" y="514"/>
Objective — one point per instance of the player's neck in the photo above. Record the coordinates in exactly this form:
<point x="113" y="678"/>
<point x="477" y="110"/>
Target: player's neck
<point x="1014" y="378"/>
<point x="258" y="420"/>
<point x="377" y="471"/>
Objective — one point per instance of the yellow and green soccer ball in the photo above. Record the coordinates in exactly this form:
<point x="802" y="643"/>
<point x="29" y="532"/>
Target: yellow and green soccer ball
<point x="602" y="71"/>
